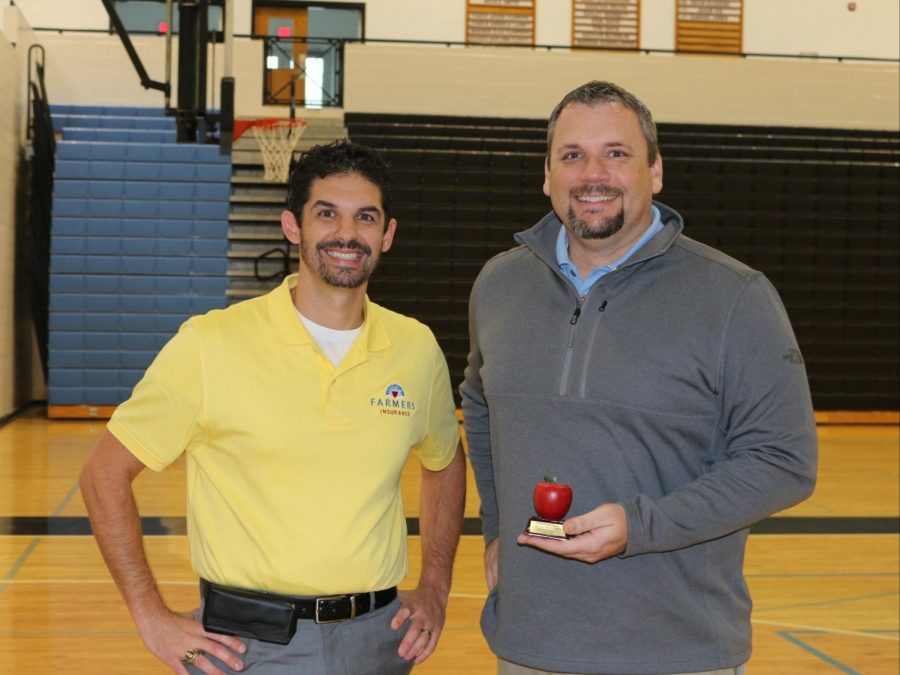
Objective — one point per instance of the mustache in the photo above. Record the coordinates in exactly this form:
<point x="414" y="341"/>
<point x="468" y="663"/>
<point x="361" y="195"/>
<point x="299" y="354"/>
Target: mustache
<point x="339" y="243"/>
<point x="599" y="189"/>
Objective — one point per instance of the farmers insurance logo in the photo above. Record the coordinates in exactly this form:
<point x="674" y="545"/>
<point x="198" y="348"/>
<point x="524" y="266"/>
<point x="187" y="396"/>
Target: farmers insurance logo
<point x="394" y="402"/>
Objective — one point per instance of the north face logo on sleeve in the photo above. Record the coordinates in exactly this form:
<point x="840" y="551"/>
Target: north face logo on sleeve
<point x="793" y="356"/>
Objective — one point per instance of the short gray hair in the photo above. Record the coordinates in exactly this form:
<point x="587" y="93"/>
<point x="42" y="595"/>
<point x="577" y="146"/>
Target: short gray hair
<point x="596" y="92"/>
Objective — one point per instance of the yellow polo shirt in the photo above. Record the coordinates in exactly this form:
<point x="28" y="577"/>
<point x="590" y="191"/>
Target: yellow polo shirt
<point x="293" y="464"/>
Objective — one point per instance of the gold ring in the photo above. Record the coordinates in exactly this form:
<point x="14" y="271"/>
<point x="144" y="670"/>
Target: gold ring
<point x="191" y="655"/>
<point x="426" y="630"/>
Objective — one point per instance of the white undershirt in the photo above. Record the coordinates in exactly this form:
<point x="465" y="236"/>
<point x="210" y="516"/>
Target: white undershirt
<point x="335" y="343"/>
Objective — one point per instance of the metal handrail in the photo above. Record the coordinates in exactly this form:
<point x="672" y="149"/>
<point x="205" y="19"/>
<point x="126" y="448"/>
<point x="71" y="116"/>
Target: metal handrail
<point x="548" y="47"/>
<point x="573" y="48"/>
<point x="285" y="253"/>
<point x="41" y="161"/>
<point x="286" y="92"/>
<point x="32" y="66"/>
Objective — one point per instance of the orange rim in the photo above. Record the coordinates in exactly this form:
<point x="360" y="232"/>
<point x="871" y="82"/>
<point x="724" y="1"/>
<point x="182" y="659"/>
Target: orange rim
<point x="241" y="126"/>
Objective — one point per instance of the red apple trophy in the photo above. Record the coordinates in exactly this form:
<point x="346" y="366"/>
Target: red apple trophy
<point x="551" y="502"/>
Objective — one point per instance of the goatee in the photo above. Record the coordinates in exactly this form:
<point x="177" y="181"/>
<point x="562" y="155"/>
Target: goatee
<point x="607" y="227"/>
<point x="341" y="277"/>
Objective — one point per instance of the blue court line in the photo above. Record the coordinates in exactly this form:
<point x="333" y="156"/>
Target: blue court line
<point x="17" y="565"/>
<point x="65" y="501"/>
<point x="790" y="637"/>
<point x="23" y="558"/>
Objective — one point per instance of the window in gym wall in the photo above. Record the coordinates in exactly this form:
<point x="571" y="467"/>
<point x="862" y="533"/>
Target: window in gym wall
<point x="304" y="49"/>
<point x="149" y="16"/>
<point x="315" y="76"/>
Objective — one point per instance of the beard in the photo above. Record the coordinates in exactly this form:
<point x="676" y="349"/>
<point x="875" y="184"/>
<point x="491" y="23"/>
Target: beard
<point x="342" y="277"/>
<point x="601" y="229"/>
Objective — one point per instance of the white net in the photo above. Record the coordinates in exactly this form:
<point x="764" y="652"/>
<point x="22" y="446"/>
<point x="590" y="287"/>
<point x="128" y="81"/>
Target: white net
<point x="277" y="140"/>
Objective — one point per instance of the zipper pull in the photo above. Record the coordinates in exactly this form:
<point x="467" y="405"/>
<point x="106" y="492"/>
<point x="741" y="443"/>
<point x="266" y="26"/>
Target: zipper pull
<point x="603" y="306"/>
<point x="575" y="316"/>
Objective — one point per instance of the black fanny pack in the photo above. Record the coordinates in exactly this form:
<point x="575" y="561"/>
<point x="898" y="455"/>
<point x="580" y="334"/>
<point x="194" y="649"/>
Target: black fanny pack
<point x="234" y="611"/>
<point x="270" y="617"/>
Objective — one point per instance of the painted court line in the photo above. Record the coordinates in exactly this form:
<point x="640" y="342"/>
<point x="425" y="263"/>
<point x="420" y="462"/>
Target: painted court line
<point x="829" y="601"/>
<point x="20" y="562"/>
<point x="815" y="652"/>
<point x="65" y="501"/>
<point x="824" y="629"/>
<point x="820" y="575"/>
<point x="17" y="565"/>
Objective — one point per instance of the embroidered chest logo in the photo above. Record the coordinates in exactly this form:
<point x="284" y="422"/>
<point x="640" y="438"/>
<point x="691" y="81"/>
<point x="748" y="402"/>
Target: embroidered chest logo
<point x="393" y="402"/>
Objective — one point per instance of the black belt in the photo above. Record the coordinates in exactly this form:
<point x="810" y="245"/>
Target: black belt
<point x="343" y="607"/>
<point x="325" y="609"/>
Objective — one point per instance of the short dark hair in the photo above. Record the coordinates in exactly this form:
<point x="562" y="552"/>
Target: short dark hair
<point x="335" y="159"/>
<point x="597" y="91"/>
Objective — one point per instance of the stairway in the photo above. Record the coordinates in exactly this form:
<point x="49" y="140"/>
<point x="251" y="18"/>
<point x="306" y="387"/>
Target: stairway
<point x="256" y="206"/>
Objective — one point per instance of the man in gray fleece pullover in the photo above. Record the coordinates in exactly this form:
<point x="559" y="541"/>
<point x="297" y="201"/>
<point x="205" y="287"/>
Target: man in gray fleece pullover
<point x="656" y="376"/>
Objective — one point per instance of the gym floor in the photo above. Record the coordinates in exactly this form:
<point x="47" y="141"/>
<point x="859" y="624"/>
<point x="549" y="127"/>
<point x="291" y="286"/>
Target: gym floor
<point x="824" y="575"/>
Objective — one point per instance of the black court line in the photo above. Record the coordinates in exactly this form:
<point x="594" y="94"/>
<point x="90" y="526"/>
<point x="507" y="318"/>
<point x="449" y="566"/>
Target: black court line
<point x="39" y="526"/>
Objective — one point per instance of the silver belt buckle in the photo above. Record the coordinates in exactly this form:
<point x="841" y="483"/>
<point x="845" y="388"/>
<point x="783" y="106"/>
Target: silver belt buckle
<point x="326" y="598"/>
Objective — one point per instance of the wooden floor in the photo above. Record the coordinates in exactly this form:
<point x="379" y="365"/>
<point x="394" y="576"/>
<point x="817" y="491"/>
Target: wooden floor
<point x="824" y="603"/>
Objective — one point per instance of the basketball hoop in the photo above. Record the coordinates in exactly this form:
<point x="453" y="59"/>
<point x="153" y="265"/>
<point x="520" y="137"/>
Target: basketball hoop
<point x="277" y="139"/>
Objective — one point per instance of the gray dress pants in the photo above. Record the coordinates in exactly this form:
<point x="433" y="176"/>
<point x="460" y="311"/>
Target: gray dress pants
<point x="363" y="646"/>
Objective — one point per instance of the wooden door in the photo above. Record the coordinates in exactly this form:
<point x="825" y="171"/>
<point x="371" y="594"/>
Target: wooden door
<point x="285" y="57"/>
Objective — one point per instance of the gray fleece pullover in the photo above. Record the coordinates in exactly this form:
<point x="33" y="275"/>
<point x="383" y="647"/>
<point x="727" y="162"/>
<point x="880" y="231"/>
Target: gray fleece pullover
<point x="674" y="388"/>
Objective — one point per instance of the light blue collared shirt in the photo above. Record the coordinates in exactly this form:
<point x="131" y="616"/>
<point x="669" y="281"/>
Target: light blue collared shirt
<point x="571" y="272"/>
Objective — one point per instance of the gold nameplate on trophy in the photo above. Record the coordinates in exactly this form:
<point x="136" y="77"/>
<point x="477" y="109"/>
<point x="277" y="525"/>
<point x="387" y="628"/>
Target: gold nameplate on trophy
<point x="552" y="529"/>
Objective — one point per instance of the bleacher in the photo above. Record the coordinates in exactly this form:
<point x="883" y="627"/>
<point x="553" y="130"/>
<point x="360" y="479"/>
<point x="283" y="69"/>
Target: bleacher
<point x="255" y="213"/>
<point x="138" y="245"/>
<point x="815" y="209"/>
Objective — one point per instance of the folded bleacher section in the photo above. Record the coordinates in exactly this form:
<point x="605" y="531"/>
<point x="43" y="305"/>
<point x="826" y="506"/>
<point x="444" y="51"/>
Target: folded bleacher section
<point x="255" y="219"/>
<point x="138" y="244"/>
<point x="817" y="210"/>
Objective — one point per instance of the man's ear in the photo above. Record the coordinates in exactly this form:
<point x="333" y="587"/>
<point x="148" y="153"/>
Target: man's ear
<point x="388" y="239"/>
<point x="656" y="173"/>
<point x="547" y="176"/>
<point x="290" y="227"/>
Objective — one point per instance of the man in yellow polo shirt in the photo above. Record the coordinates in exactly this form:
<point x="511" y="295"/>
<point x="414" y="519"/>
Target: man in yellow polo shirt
<point x="296" y="412"/>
